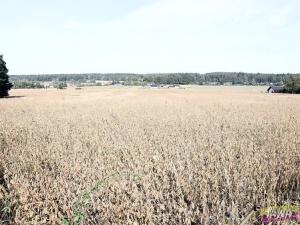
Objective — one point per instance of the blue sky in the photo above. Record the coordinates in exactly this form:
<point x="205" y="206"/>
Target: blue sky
<point x="145" y="36"/>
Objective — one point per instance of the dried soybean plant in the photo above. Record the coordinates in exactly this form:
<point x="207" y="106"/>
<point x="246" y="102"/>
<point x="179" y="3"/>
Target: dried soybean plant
<point x="193" y="156"/>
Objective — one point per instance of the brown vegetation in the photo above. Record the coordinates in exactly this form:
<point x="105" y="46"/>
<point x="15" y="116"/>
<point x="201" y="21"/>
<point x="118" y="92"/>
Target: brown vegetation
<point x="140" y="156"/>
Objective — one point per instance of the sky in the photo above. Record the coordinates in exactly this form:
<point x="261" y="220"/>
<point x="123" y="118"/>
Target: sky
<point x="147" y="36"/>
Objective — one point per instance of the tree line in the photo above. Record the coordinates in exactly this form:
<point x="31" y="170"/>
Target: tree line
<point x="291" y="82"/>
<point x="216" y="78"/>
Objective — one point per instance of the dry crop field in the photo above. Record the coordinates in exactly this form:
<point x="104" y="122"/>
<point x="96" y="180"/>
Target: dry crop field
<point x="200" y="155"/>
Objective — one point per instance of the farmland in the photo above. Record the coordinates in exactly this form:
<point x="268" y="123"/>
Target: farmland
<point x="107" y="155"/>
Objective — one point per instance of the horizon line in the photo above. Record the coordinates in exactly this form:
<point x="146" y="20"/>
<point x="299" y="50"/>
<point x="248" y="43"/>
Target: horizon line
<point x="154" y="73"/>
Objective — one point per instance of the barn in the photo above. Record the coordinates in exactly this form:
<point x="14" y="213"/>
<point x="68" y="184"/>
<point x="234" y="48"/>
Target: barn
<point x="275" y="89"/>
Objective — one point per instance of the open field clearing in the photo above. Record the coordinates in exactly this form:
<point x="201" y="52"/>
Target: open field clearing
<point x="199" y="155"/>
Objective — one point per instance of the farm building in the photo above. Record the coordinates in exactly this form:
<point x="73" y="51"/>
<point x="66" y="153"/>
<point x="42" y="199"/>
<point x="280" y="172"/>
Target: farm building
<point x="104" y="82"/>
<point x="275" y="89"/>
<point x="153" y="85"/>
<point x="48" y="84"/>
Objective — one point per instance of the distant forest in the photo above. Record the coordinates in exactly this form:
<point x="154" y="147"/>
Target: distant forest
<point x="216" y="78"/>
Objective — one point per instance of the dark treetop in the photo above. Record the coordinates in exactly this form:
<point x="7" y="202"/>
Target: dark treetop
<point x="5" y="85"/>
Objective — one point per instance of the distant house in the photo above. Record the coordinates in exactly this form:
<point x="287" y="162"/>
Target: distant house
<point x="48" y="84"/>
<point x="213" y="83"/>
<point x="122" y="82"/>
<point x="153" y="85"/>
<point x="104" y="82"/>
<point x="86" y="84"/>
<point x="275" y="89"/>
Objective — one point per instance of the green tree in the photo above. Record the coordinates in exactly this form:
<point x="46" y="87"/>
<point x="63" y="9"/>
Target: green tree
<point x="292" y="85"/>
<point x="5" y="85"/>
<point x="60" y="85"/>
<point x="27" y="85"/>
